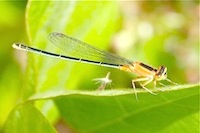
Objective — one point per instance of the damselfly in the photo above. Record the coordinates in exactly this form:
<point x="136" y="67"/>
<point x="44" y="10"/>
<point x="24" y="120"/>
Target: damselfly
<point x="79" y="51"/>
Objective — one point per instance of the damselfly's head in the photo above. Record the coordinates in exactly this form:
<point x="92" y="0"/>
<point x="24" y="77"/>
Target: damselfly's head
<point x="161" y="73"/>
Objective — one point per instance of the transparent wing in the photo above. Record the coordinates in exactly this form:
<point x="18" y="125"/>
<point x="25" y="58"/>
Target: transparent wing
<point x="78" y="49"/>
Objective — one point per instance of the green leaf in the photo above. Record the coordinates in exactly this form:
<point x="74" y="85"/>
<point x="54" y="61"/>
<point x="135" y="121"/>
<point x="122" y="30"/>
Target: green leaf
<point x="25" y="118"/>
<point x="118" y="110"/>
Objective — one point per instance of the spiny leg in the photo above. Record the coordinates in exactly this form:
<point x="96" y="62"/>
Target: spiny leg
<point x="133" y="84"/>
<point x="168" y="81"/>
<point x="162" y="85"/>
<point x="135" y="91"/>
<point x="147" y="82"/>
<point x="154" y="85"/>
<point x="171" y="81"/>
<point x="139" y="80"/>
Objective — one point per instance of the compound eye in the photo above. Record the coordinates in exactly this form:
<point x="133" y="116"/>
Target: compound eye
<point x="165" y="73"/>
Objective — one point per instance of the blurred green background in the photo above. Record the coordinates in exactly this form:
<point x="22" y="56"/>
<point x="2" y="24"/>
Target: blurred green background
<point x="156" y="33"/>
